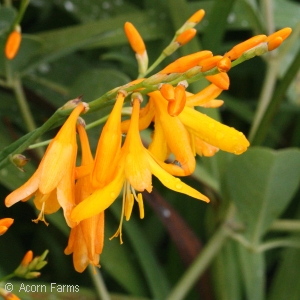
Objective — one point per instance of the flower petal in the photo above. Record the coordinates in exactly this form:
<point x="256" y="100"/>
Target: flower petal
<point x="173" y="183"/>
<point x="213" y="132"/>
<point x="25" y="191"/>
<point x="100" y="200"/>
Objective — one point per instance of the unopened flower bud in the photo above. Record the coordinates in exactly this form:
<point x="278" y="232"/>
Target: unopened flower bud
<point x="187" y="62"/>
<point x="221" y="80"/>
<point x="20" y="161"/>
<point x="209" y="63"/>
<point x="186" y="36"/>
<point x="283" y="33"/>
<point x="192" y="21"/>
<point x="5" y="223"/>
<point x="224" y="64"/>
<point x="167" y="91"/>
<point x="135" y="40"/>
<point x="239" y="49"/>
<point x="41" y="265"/>
<point x="275" y="43"/>
<point x="175" y="107"/>
<point x="27" y="258"/>
<point x="13" y="43"/>
<point x="32" y="275"/>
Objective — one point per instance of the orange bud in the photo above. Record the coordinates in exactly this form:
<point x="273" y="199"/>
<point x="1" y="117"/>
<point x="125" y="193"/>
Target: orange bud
<point x="239" y="49"/>
<point x="197" y="16"/>
<point x="13" y="44"/>
<point x="186" y="36"/>
<point x="275" y="43"/>
<point x="134" y="38"/>
<point x="185" y="63"/>
<point x="209" y="63"/>
<point x="167" y="91"/>
<point x="221" y="80"/>
<point x="5" y="223"/>
<point x="175" y="107"/>
<point x="27" y="258"/>
<point x="283" y="33"/>
<point x="224" y="64"/>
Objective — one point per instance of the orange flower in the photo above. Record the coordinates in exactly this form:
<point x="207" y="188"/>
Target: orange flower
<point x="86" y="238"/>
<point x="134" y="171"/>
<point x="52" y="184"/>
<point x="5" y="223"/>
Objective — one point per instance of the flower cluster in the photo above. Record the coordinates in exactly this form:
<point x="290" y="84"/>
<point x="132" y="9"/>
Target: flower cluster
<point x="180" y="131"/>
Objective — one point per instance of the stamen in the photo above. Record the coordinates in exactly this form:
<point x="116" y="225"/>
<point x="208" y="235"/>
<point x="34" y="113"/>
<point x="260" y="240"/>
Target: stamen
<point x="118" y="233"/>
<point x="141" y="205"/>
<point x="41" y="216"/>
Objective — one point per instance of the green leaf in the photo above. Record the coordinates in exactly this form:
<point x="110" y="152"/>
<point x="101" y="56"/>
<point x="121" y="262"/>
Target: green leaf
<point x="227" y="287"/>
<point x="284" y="284"/>
<point x="262" y="182"/>
<point x="7" y="16"/>
<point x="253" y="272"/>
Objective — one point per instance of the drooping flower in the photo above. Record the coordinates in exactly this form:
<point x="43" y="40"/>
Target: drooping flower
<point x="86" y="238"/>
<point x="52" y="184"/>
<point x="135" y="167"/>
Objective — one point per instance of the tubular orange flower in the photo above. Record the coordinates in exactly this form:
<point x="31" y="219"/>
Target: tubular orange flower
<point x="109" y="146"/>
<point x="135" y="167"/>
<point x="53" y="181"/>
<point x="86" y="238"/>
<point x="13" y="44"/>
<point x="5" y="223"/>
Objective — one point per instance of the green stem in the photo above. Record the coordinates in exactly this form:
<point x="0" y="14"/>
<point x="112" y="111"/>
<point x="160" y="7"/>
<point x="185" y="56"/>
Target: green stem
<point x="265" y="97"/>
<point x="98" y="283"/>
<point x="286" y="225"/>
<point x="22" y="9"/>
<point x="200" y="264"/>
<point x="22" y="102"/>
<point x="278" y="243"/>
<point x="278" y="97"/>
<point x="7" y="277"/>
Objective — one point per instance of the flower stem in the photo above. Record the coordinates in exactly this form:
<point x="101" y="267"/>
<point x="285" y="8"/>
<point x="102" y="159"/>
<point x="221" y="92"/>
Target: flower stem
<point x="286" y="225"/>
<point x="99" y="283"/>
<point x="7" y="277"/>
<point x="200" y="264"/>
